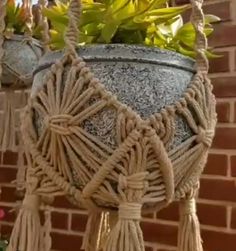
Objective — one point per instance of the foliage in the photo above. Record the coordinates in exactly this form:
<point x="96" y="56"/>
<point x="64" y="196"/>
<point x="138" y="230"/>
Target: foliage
<point x="3" y="245"/>
<point x="17" y="20"/>
<point x="149" y="22"/>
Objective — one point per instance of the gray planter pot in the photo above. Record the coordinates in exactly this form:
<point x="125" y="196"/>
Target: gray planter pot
<point x="19" y="61"/>
<point x="145" y="79"/>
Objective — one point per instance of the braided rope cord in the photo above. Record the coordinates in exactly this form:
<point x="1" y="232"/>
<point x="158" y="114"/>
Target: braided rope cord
<point x="44" y="25"/>
<point x="198" y="22"/>
<point x="27" y="5"/>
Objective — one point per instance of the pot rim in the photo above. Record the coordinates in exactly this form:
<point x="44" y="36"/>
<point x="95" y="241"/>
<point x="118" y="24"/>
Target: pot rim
<point x="20" y="38"/>
<point x="121" y="53"/>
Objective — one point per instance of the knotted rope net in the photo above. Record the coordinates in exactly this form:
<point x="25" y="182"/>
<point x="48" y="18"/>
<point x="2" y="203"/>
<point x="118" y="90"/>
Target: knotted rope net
<point x="15" y="77"/>
<point x="140" y="173"/>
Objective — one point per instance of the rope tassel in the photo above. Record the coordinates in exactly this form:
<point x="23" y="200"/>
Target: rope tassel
<point x="189" y="238"/>
<point x="27" y="232"/>
<point x="127" y="234"/>
<point x="7" y="131"/>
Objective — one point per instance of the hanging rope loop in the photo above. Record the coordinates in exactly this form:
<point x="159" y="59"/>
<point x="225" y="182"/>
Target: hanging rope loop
<point x="197" y="19"/>
<point x="71" y="36"/>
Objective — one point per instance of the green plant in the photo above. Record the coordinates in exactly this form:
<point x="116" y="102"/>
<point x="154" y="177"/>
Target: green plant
<point x="3" y="245"/>
<point x="149" y="22"/>
<point x="17" y="20"/>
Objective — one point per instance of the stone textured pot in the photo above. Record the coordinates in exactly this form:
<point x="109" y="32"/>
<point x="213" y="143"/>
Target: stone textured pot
<point x="20" y="59"/>
<point x="146" y="79"/>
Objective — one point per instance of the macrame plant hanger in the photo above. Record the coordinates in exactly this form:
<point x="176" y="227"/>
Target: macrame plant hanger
<point x="8" y="134"/>
<point x="139" y="171"/>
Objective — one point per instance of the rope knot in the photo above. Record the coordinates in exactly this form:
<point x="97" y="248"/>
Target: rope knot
<point x="205" y="136"/>
<point x="135" y="181"/>
<point x="130" y="211"/>
<point x="188" y="207"/>
<point x="60" y="123"/>
<point x="32" y="202"/>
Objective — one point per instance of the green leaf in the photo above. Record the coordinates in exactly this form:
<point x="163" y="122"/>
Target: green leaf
<point x="117" y="5"/>
<point x="109" y="30"/>
<point x="211" y="19"/>
<point x="212" y="55"/>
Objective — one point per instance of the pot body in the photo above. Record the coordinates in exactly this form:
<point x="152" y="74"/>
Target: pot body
<point x="145" y="79"/>
<point x="21" y="56"/>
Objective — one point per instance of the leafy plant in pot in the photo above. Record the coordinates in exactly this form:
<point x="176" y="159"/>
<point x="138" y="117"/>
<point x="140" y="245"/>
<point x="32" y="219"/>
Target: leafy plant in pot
<point x="21" y="48"/>
<point x="134" y="138"/>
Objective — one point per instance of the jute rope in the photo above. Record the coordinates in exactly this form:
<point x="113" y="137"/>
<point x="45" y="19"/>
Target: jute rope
<point x="27" y="5"/>
<point x="140" y="172"/>
<point x="44" y="24"/>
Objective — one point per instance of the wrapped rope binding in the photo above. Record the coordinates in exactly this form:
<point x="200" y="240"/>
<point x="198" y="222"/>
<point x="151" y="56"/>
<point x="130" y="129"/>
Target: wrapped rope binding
<point x="189" y="238"/>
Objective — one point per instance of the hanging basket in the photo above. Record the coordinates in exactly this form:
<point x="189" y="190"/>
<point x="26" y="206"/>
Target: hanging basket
<point x="126" y="131"/>
<point x="21" y="56"/>
<point x="145" y="79"/>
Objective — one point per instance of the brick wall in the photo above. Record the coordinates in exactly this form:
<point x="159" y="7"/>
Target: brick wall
<point x="217" y="198"/>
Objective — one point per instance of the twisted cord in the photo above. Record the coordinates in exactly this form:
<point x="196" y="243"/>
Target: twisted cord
<point x="44" y="25"/>
<point x="71" y="35"/>
<point x="27" y="5"/>
<point x="198" y="22"/>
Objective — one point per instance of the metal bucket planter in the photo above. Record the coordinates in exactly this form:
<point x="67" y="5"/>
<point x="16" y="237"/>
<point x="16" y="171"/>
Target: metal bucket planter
<point x="145" y="79"/>
<point x="21" y="56"/>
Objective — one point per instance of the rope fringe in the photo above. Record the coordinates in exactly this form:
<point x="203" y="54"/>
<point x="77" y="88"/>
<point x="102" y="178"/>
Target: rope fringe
<point x="27" y="231"/>
<point x="189" y="238"/>
<point x="8" y="130"/>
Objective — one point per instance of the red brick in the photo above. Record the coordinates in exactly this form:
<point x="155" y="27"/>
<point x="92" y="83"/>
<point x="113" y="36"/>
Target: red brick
<point x="59" y="220"/>
<point x="10" y="158"/>
<point x="224" y="87"/>
<point x="225" y="138"/>
<point x="170" y="213"/>
<point x="155" y="232"/>
<point x="79" y="222"/>
<point x="63" y="202"/>
<point x="221" y="10"/>
<point x="216" y="164"/>
<point x="5" y="231"/>
<point x="208" y="214"/>
<point x="220" y="64"/>
<point x="214" y="189"/>
<point x="66" y="242"/>
<point x="182" y="1"/>
<point x="10" y="216"/>
<point x="223" y="112"/>
<point x="218" y="241"/>
<point x="233" y="218"/>
<point x="7" y="175"/>
<point x="224" y="35"/>
<point x="9" y="194"/>
<point x="148" y="249"/>
<point x="233" y="165"/>
<point x="212" y="215"/>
